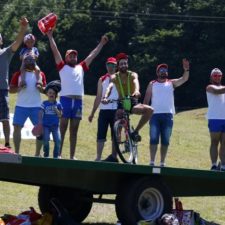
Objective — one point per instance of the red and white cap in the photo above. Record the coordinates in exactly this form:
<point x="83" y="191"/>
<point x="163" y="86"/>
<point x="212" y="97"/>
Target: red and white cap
<point x="216" y="71"/>
<point x="163" y="65"/>
<point x="68" y="52"/>
<point x="28" y="37"/>
<point x="111" y="60"/>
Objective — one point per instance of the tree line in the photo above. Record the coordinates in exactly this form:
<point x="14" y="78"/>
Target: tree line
<point x="150" y="32"/>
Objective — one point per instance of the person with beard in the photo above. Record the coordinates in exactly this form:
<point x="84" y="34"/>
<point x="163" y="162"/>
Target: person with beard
<point x="215" y="93"/>
<point x="28" y="103"/>
<point x="71" y="95"/>
<point x="6" y="55"/>
<point x="160" y="93"/>
<point x="127" y="86"/>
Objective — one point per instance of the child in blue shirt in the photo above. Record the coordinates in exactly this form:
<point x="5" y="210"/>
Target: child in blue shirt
<point x="50" y="112"/>
<point x="29" y="49"/>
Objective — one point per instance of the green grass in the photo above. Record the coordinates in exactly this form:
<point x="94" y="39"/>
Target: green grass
<point x="189" y="149"/>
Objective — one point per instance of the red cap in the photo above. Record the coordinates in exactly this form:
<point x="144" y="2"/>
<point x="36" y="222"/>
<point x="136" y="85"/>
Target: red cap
<point x="121" y="55"/>
<point x="68" y="52"/>
<point x="111" y="60"/>
<point x="161" y="66"/>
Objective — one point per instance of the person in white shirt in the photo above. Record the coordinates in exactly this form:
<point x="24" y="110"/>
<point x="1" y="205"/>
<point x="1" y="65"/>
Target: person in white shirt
<point x="215" y="93"/>
<point x="107" y="111"/>
<point x="160" y="93"/>
<point x="71" y="76"/>
<point x="28" y="101"/>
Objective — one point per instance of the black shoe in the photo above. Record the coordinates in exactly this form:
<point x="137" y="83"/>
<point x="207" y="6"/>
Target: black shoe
<point x="135" y="136"/>
<point x="214" y="168"/>
<point x="7" y="145"/>
<point x="110" y="158"/>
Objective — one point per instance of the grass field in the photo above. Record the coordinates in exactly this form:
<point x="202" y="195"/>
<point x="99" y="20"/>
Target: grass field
<point x="189" y="149"/>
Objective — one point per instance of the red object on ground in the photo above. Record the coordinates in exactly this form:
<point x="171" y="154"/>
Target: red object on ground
<point x="7" y="150"/>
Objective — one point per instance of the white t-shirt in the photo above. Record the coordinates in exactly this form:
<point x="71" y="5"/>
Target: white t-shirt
<point x="216" y="106"/>
<point x="29" y="96"/>
<point x="162" y="99"/>
<point x="72" y="79"/>
<point x="114" y="95"/>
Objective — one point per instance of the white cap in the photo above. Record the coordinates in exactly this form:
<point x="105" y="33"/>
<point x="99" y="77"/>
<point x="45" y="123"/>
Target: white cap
<point x="217" y="71"/>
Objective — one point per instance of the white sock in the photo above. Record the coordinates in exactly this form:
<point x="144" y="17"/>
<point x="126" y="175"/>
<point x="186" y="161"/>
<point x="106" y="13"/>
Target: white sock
<point x="152" y="163"/>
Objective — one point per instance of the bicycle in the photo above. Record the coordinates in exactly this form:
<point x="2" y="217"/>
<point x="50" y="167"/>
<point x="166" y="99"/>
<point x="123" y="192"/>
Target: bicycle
<point x="125" y="146"/>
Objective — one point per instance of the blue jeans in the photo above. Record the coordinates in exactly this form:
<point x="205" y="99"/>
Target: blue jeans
<point x="161" y="125"/>
<point x="56" y="138"/>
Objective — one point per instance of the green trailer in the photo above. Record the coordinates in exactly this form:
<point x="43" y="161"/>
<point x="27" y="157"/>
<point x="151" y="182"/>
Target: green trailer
<point x="141" y="192"/>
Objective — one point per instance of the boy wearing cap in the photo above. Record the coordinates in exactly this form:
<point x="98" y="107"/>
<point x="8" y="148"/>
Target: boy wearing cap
<point x="161" y="94"/>
<point x="5" y="59"/>
<point x="29" y="49"/>
<point x="71" y="76"/>
<point x="107" y="111"/>
<point x="127" y="85"/>
<point x="215" y="93"/>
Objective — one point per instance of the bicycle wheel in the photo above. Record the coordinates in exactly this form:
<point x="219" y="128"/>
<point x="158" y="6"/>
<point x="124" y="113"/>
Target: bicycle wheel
<point x="123" y="142"/>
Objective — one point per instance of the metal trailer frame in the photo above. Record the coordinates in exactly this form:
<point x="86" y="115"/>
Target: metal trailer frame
<point x="142" y="192"/>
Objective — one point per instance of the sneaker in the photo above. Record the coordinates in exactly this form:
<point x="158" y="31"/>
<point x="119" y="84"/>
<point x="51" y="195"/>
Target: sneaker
<point x="110" y="158"/>
<point x="152" y="164"/>
<point x="135" y="136"/>
<point x="214" y="168"/>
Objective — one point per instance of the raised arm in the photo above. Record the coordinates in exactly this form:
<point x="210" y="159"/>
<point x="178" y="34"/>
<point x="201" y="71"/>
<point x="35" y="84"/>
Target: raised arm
<point x="55" y="51"/>
<point x="186" y="66"/>
<point x="97" y="101"/>
<point x="148" y="94"/>
<point x="19" y="39"/>
<point x="96" y="51"/>
<point x="215" y="89"/>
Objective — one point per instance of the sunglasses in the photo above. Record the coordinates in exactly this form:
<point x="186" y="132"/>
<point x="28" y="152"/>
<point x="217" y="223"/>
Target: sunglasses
<point x="111" y="65"/>
<point x="163" y="70"/>
<point x="217" y="75"/>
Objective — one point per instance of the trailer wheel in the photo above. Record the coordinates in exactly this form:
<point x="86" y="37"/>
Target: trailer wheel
<point x="143" y="199"/>
<point x="77" y="202"/>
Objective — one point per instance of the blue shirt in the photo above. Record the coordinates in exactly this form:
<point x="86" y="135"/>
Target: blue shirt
<point x="50" y="117"/>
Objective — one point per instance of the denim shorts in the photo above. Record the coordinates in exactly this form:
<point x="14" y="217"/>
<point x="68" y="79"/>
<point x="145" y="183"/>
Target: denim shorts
<point x="4" y="105"/>
<point x="72" y="108"/>
<point x="161" y="125"/>
<point x="21" y="114"/>
<point x="106" y="118"/>
<point x="216" y="125"/>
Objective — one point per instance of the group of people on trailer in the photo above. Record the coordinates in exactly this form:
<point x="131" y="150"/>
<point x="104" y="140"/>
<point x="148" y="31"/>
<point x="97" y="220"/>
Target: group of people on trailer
<point x="118" y="83"/>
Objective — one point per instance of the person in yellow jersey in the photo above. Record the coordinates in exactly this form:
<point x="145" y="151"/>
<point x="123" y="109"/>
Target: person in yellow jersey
<point x="128" y="88"/>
